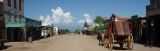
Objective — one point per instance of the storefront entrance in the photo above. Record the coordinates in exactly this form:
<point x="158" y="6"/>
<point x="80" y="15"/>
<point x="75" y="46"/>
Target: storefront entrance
<point x="153" y="30"/>
<point x="14" y="34"/>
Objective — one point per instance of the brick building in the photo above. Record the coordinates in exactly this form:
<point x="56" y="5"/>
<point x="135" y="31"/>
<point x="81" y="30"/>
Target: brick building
<point x="13" y="14"/>
<point x="16" y="27"/>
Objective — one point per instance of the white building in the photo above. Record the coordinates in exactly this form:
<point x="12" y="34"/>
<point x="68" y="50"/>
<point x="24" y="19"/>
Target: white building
<point x="56" y="30"/>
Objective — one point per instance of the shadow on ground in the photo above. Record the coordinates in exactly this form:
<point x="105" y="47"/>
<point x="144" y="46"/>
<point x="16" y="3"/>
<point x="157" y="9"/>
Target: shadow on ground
<point x="119" y="48"/>
<point x="5" y="47"/>
<point x="149" y="44"/>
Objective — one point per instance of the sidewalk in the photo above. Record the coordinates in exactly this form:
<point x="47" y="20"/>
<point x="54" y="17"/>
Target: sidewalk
<point x="25" y="46"/>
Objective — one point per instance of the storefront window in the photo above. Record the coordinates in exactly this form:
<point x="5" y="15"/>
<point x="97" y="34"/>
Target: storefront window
<point x="9" y="2"/>
<point x="15" y="4"/>
<point x="20" y="4"/>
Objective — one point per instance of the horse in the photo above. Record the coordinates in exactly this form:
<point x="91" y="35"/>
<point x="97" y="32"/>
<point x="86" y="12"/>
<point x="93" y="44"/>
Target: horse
<point x="101" y="38"/>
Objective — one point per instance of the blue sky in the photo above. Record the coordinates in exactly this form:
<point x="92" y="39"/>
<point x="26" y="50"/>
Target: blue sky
<point x="77" y="9"/>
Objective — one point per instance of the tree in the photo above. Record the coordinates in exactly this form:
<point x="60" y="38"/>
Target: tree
<point x="99" y="20"/>
<point x="77" y="31"/>
<point x="66" y="31"/>
<point x="100" y="24"/>
<point x="86" y="24"/>
<point x="63" y="31"/>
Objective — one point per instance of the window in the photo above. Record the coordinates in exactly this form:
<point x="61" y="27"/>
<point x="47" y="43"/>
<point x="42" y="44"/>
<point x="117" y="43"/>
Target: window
<point x="20" y="5"/>
<point x="158" y="4"/>
<point x="154" y="3"/>
<point x="15" y="4"/>
<point x="9" y="2"/>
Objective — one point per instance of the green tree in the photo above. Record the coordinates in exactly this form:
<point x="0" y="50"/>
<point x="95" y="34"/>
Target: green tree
<point x="63" y="31"/>
<point x="100" y="24"/>
<point x="99" y="20"/>
<point x="66" y="31"/>
<point x="86" y="24"/>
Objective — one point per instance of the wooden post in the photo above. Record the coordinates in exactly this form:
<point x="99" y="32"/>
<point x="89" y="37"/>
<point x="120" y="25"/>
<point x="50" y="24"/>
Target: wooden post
<point x="6" y="34"/>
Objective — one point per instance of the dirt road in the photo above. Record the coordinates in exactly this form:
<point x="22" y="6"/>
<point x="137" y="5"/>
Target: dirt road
<point x="69" y="43"/>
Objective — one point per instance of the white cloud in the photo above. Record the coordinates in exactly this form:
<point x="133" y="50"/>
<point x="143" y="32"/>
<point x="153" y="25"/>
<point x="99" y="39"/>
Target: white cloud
<point x="81" y="21"/>
<point x="87" y="19"/>
<point x="58" y="11"/>
<point x="68" y="18"/>
<point x="58" y="16"/>
<point x="41" y="18"/>
<point x="45" y="21"/>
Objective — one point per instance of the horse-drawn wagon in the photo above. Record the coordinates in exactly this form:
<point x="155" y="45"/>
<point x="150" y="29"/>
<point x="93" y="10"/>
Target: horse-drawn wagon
<point x="118" y="33"/>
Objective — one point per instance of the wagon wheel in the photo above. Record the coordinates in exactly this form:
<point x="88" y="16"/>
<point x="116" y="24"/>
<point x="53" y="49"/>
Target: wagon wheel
<point x="101" y="41"/>
<point x="111" y="41"/>
<point x="106" y="42"/>
<point x="130" y="42"/>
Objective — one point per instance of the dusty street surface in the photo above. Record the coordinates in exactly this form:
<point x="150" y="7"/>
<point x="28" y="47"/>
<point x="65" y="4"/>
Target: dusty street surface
<point x="69" y="43"/>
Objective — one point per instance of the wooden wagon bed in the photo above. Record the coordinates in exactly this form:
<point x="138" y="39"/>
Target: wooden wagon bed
<point x="119" y="33"/>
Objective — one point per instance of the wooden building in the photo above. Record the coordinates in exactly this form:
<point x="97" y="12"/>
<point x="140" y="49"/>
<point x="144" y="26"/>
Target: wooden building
<point x="47" y="31"/>
<point x="139" y="28"/>
<point x="153" y="19"/>
<point x="33" y="29"/>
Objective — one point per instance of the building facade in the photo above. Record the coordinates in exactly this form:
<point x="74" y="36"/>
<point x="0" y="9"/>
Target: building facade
<point x="47" y="31"/>
<point x="139" y="28"/>
<point x="13" y="14"/>
<point x="16" y="27"/>
<point x="153" y="8"/>
<point x="33" y="29"/>
<point x="153" y="19"/>
<point x="56" y="30"/>
<point x="2" y="34"/>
